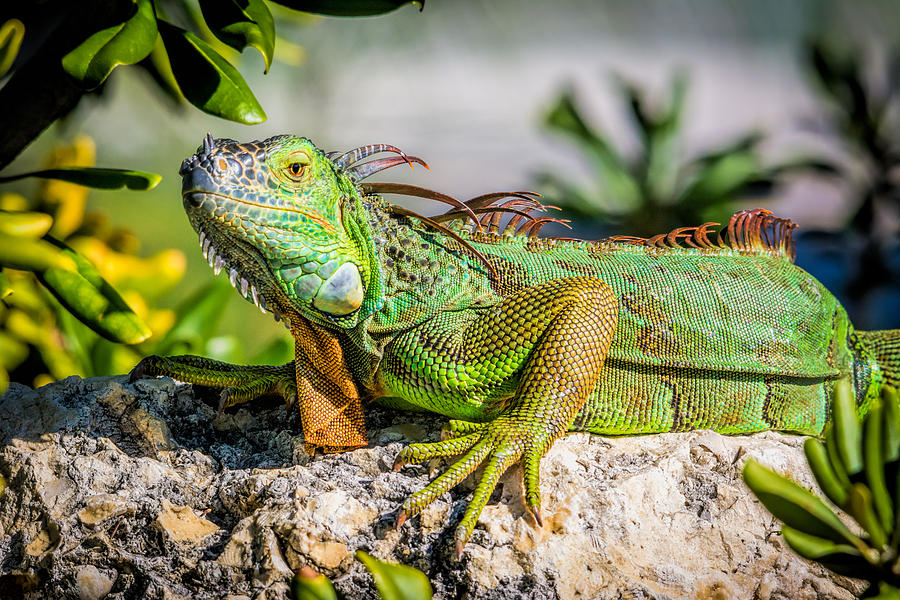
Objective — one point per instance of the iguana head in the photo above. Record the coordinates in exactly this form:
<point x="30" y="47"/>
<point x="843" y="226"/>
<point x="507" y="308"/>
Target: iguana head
<point x="274" y="214"/>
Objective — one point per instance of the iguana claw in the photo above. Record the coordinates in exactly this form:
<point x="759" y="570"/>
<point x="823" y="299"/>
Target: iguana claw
<point x="498" y="445"/>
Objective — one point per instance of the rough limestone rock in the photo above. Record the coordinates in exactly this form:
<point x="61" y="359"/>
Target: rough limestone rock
<point x="143" y="491"/>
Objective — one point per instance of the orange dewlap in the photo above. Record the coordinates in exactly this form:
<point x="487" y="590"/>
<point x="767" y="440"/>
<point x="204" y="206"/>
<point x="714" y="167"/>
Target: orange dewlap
<point x="330" y="404"/>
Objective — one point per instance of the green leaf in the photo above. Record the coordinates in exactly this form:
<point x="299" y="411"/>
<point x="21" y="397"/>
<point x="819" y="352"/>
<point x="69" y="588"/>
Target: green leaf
<point x="196" y="319"/>
<point x="207" y="80"/>
<point x="32" y="255"/>
<point x="847" y="429"/>
<point x="834" y="457"/>
<point x="862" y="507"/>
<point x="11" y="34"/>
<point x="94" y="301"/>
<point x="12" y="350"/>
<point x="881" y="590"/>
<point x="101" y="179"/>
<point x="396" y="582"/>
<point x="5" y="286"/>
<point x="891" y="443"/>
<point x="25" y="224"/>
<point x="815" y="548"/>
<point x="80" y="339"/>
<point x="348" y="8"/>
<point x="122" y="44"/>
<point x="796" y="506"/>
<point x="2" y="486"/>
<point x="307" y="584"/>
<point x="157" y="66"/>
<point x="840" y="558"/>
<point x="817" y="457"/>
<point x="873" y="450"/>
<point x="242" y="23"/>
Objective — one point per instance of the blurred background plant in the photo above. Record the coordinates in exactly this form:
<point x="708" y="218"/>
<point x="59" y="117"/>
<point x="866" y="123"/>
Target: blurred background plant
<point x="658" y="189"/>
<point x="49" y="330"/>
<point x="857" y="468"/>
<point x="860" y="93"/>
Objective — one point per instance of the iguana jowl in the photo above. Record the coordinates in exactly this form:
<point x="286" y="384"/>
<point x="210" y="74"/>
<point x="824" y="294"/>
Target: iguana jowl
<point x="517" y="339"/>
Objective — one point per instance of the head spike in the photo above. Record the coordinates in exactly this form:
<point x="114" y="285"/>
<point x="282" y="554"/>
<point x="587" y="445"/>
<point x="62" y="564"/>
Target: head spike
<point x="360" y="172"/>
<point x="419" y="192"/>
<point x="347" y="159"/>
<point x="399" y="210"/>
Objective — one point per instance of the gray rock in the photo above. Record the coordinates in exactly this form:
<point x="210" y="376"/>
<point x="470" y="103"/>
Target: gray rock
<point x="124" y="491"/>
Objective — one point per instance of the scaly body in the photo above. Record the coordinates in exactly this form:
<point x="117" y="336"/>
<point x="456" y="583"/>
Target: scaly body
<point x="518" y="339"/>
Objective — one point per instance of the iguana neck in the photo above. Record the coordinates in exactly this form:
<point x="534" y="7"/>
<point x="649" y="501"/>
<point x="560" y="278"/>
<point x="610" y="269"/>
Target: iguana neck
<point x="422" y="272"/>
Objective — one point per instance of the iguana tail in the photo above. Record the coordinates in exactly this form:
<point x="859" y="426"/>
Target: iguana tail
<point x="885" y="348"/>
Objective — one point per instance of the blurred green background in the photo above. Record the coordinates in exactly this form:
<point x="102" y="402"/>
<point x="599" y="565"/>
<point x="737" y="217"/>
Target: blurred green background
<point x="473" y="87"/>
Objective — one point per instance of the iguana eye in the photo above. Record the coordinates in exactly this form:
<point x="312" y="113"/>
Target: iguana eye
<point x="295" y="169"/>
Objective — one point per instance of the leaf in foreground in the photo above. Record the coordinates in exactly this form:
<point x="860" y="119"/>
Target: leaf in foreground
<point x="349" y="8"/>
<point x="242" y="23"/>
<point x="94" y="301"/>
<point x="122" y="44"/>
<point x="396" y="582"/>
<point x="207" y="80"/>
<point x="101" y="179"/>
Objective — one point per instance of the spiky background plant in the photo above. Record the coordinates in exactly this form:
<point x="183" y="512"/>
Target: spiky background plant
<point x="857" y="469"/>
<point x="655" y="189"/>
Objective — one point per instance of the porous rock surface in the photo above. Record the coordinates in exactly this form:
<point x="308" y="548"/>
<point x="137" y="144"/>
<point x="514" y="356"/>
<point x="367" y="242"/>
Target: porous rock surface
<point x="127" y="491"/>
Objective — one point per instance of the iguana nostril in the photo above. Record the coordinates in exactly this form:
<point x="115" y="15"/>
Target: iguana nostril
<point x="196" y="179"/>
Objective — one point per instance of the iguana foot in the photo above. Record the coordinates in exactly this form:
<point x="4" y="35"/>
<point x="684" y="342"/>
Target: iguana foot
<point x="238" y="383"/>
<point x="498" y="444"/>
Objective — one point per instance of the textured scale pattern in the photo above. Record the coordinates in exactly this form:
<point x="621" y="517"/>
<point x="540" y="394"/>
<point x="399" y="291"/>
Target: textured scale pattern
<point x="517" y="339"/>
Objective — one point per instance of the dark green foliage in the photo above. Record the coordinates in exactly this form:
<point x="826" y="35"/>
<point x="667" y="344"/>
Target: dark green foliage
<point x="207" y="80"/>
<point x="11" y="34"/>
<point x="857" y="468"/>
<point x="242" y="23"/>
<point x="348" y="8"/>
<point x="100" y="179"/>
<point x="78" y="45"/>
<point x="655" y="191"/>
<point x="124" y="43"/>
<point x="25" y="245"/>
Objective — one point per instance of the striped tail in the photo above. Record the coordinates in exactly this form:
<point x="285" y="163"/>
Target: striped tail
<point x="885" y="348"/>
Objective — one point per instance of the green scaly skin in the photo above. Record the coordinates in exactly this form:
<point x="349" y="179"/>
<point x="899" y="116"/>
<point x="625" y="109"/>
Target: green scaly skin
<point x="619" y="336"/>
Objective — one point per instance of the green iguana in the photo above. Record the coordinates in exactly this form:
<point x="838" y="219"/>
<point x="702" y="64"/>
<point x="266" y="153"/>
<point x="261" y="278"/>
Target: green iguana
<point x="517" y="339"/>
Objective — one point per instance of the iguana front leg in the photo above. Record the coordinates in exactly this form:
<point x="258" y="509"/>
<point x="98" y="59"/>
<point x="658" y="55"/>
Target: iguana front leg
<point x="238" y="383"/>
<point x="528" y="366"/>
<point x="318" y="378"/>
